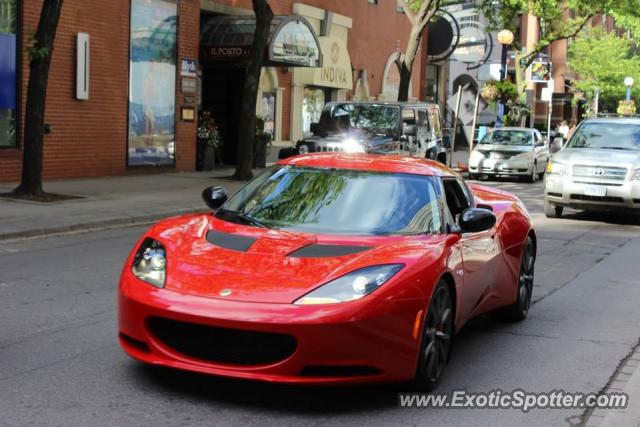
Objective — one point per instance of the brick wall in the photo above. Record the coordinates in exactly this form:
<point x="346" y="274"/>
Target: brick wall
<point x="89" y="138"/>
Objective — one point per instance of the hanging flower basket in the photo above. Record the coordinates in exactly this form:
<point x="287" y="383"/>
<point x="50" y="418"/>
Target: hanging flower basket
<point x="494" y="91"/>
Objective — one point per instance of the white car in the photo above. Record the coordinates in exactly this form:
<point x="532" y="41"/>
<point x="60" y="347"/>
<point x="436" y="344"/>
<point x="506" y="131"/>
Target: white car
<point x="510" y="151"/>
<point x="598" y="168"/>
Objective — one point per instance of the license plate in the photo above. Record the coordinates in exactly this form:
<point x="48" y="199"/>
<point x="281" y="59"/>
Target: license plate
<point x="595" y="190"/>
<point x="489" y="163"/>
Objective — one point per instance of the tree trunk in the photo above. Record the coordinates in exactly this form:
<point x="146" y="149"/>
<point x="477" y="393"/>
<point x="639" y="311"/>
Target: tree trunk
<point x="247" y="125"/>
<point x="405" y="82"/>
<point x="40" y="60"/>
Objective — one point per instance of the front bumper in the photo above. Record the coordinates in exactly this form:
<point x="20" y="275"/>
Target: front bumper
<point x="578" y="193"/>
<point x="347" y="343"/>
<point x="510" y="167"/>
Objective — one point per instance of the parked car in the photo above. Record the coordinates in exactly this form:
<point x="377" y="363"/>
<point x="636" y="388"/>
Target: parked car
<point x="328" y="268"/>
<point x="510" y="151"/>
<point x="597" y="169"/>
<point x="412" y="129"/>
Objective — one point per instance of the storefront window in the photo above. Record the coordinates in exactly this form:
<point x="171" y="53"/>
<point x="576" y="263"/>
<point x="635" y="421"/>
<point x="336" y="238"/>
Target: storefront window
<point x="312" y="105"/>
<point x="152" y="92"/>
<point x="269" y="112"/>
<point x="8" y="76"/>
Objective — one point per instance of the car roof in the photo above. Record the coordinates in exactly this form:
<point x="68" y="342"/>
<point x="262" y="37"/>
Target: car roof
<point x="625" y="120"/>
<point x="390" y="103"/>
<point x="370" y="162"/>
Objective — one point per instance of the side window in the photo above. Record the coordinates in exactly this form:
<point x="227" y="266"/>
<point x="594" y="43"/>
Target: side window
<point x="467" y="192"/>
<point x="423" y="120"/>
<point x="434" y="118"/>
<point x="409" y="116"/>
<point x="457" y="200"/>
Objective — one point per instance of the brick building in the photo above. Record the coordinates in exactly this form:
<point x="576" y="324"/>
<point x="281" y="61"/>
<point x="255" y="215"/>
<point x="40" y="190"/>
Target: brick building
<point x="145" y="79"/>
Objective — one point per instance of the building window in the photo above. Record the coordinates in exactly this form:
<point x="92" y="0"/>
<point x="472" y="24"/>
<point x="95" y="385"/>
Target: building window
<point x="152" y="82"/>
<point x="8" y="74"/>
<point x="269" y="112"/>
<point x="373" y="1"/>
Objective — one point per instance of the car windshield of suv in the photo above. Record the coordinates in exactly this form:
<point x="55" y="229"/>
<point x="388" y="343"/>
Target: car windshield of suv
<point x="607" y="135"/>
<point x="507" y="137"/>
<point x="337" y="201"/>
<point x="377" y="119"/>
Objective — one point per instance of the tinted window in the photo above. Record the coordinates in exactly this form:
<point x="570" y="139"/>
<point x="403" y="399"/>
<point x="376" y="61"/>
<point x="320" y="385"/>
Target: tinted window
<point x="339" y="201"/>
<point x="619" y="136"/>
<point x="507" y="137"/>
<point x="374" y="118"/>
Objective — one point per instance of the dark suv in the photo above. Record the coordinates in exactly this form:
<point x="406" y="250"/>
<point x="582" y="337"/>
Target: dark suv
<point x="406" y="128"/>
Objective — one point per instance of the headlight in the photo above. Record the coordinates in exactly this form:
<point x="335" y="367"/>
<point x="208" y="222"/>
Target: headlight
<point x="351" y="286"/>
<point x="303" y="149"/>
<point x="556" y="168"/>
<point x="636" y="175"/>
<point x="352" y="146"/>
<point x="150" y="263"/>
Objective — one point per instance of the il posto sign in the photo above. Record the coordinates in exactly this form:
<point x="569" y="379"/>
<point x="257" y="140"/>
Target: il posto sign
<point x="221" y="53"/>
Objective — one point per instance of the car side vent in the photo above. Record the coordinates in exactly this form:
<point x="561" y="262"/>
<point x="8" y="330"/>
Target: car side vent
<point x="234" y="242"/>
<point x="327" y="251"/>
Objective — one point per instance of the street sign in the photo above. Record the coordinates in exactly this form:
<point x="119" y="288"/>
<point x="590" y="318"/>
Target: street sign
<point x="546" y="94"/>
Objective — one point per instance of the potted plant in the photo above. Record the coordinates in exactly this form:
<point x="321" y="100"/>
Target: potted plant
<point x="626" y="107"/>
<point x="209" y="141"/>
<point x="261" y="144"/>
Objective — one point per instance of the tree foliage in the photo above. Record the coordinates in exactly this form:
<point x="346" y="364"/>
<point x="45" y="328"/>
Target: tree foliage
<point x="602" y="60"/>
<point x="558" y="20"/>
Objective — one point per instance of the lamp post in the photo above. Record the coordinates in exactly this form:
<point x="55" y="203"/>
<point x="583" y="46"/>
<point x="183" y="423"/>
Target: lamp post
<point x="628" y="82"/>
<point x="505" y="38"/>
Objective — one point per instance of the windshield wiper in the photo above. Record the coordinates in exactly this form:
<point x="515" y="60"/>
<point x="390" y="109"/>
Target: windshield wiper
<point x="615" y="148"/>
<point x="243" y="216"/>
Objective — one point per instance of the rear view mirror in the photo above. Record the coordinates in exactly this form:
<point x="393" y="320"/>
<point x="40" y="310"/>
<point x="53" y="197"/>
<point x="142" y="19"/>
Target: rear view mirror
<point x="556" y="145"/>
<point x="409" y="130"/>
<point x="214" y="197"/>
<point x="474" y="220"/>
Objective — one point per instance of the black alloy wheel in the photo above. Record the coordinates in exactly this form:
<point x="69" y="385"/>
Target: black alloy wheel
<point x="437" y="336"/>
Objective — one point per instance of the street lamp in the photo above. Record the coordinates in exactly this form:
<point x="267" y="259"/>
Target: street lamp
<point x="628" y="82"/>
<point x="505" y="38"/>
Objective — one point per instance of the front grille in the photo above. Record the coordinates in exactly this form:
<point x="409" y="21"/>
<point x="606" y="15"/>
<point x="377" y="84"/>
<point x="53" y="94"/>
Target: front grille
<point x="222" y="345"/>
<point x="497" y="154"/>
<point x="636" y="201"/>
<point x="554" y="194"/>
<point x="601" y="172"/>
<point x="330" y="149"/>
<point x="597" y="198"/>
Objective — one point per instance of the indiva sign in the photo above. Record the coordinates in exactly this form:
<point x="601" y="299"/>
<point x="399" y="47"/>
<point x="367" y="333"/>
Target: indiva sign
<point x="334" y="75"/>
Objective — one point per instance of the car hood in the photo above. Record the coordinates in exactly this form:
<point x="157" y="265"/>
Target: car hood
<point x="596" y="156"/>
<point x="505" y="148"/>
<point x="271" y="269"/>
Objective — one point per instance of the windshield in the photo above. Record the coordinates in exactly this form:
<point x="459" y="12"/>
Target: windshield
<point x="507" y="137"/>
<point x="337" y="201"/>
<point x="377" y="119"/>
<point x="616" y="136"/>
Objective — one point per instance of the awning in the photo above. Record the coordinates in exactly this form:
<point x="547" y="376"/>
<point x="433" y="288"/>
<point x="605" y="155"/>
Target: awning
<point x="292" y="41"/>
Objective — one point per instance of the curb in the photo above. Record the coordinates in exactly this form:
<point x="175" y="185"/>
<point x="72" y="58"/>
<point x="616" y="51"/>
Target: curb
<point x="121" y="222"/>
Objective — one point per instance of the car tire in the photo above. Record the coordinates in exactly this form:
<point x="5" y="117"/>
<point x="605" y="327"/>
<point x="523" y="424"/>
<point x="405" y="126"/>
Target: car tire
<point x="551" y="210"/>
<point x="534" y="173"/>
<point x="519" y="310"/>
<point x="437" y="338"/>
<point x="473" y="176"/>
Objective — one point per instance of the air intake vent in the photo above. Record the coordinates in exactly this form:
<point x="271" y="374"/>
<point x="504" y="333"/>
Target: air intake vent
<point x="235" y="242"/>
<point x="327" y="251"/>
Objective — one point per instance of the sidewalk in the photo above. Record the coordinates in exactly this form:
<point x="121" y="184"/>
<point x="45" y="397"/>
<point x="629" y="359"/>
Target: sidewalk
<point x="109" y="202"/>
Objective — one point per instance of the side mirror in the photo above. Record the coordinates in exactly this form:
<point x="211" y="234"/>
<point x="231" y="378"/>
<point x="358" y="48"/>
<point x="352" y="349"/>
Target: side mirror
<point x="474" y="220"/>
<point x="214" y="197"/>
<point x="409" y="130"/>
<point x="314" y="128"/>
<point x="556" y="145"/>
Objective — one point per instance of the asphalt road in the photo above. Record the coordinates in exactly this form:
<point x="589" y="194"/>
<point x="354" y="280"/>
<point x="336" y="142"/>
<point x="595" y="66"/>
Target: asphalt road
<point x="60" y="363"/>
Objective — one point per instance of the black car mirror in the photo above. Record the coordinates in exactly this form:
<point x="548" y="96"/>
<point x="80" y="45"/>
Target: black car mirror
<point x="556" y="145"/>
<point x="474" y="220"/>
<point x="314" y="128"/>
<point x="214" y="197"/>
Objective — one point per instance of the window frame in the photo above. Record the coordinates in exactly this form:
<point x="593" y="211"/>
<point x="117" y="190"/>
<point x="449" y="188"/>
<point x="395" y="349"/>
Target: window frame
<point x="17" y="145"/>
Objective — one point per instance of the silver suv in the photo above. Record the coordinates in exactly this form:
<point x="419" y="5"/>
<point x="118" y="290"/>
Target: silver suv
<point x="597" y="169"/>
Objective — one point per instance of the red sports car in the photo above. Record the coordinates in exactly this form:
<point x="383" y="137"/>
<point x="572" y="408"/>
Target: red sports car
<point x="327" y="269"/>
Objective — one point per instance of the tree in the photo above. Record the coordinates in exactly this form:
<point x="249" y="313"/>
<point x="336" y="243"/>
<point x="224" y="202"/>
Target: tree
<point x="586" y="55"/>
<point x="246" y="130"/>
<point x="419" y="13"/>
<point x="39" y="61"/>
<point x="557" y="20"/>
